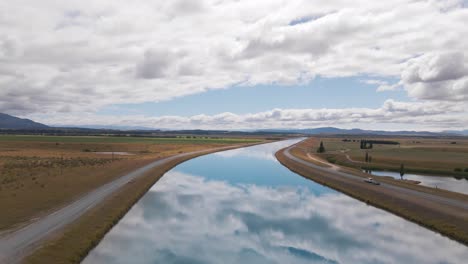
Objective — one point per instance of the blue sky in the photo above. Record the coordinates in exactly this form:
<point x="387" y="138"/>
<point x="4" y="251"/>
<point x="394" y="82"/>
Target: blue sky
<point x="344" y="92"/>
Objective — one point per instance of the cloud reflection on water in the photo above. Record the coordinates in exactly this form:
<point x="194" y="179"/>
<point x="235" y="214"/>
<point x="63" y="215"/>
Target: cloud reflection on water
<point x="263" y="152"/>
<point x="189" y="219"/>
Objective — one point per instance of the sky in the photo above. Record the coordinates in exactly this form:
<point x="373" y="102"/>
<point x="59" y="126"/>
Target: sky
<point x="221" y="64"/>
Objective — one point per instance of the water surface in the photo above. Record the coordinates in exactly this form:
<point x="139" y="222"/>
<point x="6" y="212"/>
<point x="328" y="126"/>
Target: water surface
<point x="242" y="206"/>
<point x="447" y="183"/>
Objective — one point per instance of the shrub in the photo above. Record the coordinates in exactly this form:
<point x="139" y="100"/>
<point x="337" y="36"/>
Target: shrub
<point x="458" y="170"/>
<point x="331" y="160"/>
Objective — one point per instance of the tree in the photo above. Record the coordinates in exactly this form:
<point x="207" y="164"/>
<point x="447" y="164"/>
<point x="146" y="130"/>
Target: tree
<point x="402" y="170"/>
<point x="367" y="156"/>
<point x="370" y="159"/>
<point x="321" y="149"/>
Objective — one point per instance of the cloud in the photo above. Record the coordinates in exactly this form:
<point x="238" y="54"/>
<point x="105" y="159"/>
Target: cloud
<point x="428" y="115"/>
<point x="388" y="87"/>
<point x="8" y="47"/>
<point x="435" y="68"/>
<point x="79" y="57"/>
<point x="437" y="76"/>
<point x="382" y="86"/>
<point x="155" y="64"/>
<point x="185" y="7"/>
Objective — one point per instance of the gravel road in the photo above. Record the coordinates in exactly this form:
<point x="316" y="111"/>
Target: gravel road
<point x="396" y="189"/>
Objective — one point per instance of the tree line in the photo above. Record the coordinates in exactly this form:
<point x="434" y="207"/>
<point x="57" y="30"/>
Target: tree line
<point x="369" y="144"/>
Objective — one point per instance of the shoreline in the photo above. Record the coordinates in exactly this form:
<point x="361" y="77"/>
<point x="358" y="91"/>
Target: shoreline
<point x="428" y="173"/>
<point x="445" y="220"/>
<point x="353" y="164"/>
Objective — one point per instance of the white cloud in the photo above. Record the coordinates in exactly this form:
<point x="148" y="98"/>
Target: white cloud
<point x="155" y="64"/>
<point x="435" y="68"/>
<point x="428" y="115"/>
<point x="78" y="56"/>
<point x="382" y="86"/>
<point x="440" y="76"/>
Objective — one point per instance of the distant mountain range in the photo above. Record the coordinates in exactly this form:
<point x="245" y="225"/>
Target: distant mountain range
<point x="356" y="131"/>
<point x="12" y="122"/>
<point x="458" y="132"/>
<point x="15" y="123"/>
<point x="116" y="127"/>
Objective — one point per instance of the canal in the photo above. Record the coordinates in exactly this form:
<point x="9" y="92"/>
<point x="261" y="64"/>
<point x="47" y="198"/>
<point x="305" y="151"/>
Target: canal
<point x="243" y="206"/>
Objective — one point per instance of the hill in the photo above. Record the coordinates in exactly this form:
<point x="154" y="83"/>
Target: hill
<point x="12" y="122"/>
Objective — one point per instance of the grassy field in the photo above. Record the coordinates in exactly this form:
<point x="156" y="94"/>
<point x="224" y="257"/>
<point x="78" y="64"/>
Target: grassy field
<point x="39" y="173"/>
<point x="437" y="156"/>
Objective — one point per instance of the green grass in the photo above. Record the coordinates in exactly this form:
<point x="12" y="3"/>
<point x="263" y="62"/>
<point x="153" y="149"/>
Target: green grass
<point x="114" y="139"/>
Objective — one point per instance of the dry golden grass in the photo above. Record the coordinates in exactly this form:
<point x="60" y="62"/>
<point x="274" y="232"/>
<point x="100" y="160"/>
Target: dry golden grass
<point x="302" y="154"/>
<point x="37" y="177"/>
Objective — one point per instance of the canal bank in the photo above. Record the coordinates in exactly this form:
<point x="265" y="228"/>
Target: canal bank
<point x="243" y="206"/>
<point x="445" y="213"/>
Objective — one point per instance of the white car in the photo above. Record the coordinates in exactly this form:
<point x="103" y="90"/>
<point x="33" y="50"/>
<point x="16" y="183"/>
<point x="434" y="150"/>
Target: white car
<point x="372" y="181"/>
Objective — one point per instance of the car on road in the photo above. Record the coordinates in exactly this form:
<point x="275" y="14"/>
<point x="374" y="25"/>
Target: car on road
<point x="372" y="181"/>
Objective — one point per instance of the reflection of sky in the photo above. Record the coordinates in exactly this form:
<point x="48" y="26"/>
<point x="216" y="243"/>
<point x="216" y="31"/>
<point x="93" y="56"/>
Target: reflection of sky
<point x="447" y="183"/>
<point x="255" y="165"/>
<point x="210" y="218"/>
<point x="266" y="151"/>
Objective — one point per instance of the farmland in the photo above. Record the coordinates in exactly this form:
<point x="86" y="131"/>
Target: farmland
<point x="432" y="156"/>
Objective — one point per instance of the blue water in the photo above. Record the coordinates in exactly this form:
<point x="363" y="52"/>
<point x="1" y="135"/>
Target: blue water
<point x="242" y="206"/>
<point x="441" y="182"/>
